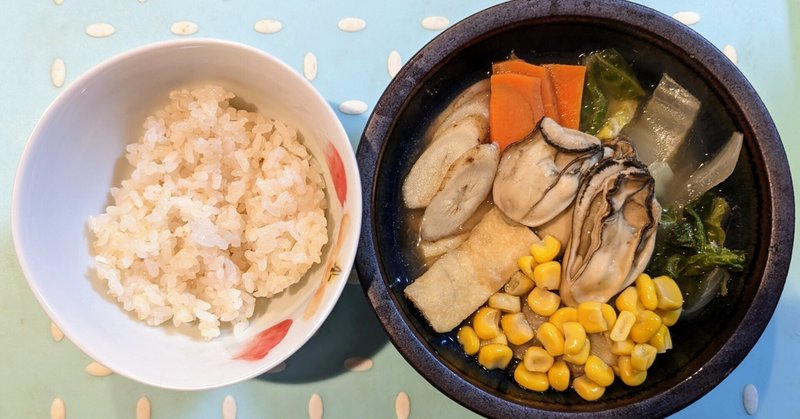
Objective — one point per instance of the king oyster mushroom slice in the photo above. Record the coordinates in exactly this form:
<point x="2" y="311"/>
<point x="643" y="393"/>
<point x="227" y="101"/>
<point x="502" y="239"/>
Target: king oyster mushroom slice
<point x="466" y="185"/>
<point x="613" y="231"/>
<point x="473" y="101"/>
<point x="425" y="177"/>
<point x="538" y="177"/>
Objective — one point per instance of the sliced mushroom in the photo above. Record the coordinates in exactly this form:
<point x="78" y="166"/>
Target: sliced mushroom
<point x="431" y="249"/>
<point x="425" y="177"/>
<point x="466" y="185"/>
<point x="613" y="231"/>
<point x="538" y="177"/>
<point x="474" y="100"/>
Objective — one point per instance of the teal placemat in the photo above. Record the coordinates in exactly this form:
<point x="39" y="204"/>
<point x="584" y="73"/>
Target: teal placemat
<point x="349" y="369"/>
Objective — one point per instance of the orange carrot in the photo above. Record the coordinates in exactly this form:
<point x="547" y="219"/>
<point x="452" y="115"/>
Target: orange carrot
<point x="518" y="66"/>
<point x="568" y="84"/>
<point x="515" y="107"/>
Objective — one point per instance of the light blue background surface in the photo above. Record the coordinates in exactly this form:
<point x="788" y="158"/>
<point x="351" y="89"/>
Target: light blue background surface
<point x="35" y="369"/>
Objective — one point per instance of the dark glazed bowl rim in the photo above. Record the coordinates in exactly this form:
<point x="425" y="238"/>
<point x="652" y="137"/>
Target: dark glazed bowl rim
<point x="699" y="55"/>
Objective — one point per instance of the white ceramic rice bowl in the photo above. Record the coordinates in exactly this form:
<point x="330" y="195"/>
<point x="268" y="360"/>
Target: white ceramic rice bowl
<point x="76" y="153"/>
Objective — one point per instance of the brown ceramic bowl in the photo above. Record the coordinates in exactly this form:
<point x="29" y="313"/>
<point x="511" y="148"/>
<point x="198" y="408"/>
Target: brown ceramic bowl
<point x="706" y="348"/>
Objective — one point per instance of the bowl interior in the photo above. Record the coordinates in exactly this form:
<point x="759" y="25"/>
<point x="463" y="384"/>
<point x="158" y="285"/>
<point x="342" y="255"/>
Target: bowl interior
<point x="76" y="154"/>
<point x="564" y="40"/>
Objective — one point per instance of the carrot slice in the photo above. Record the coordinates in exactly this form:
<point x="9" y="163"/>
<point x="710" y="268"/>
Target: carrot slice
<point x="515" y="107"/>
<point x="518" y="66"/>
<point x="568" y="85"/>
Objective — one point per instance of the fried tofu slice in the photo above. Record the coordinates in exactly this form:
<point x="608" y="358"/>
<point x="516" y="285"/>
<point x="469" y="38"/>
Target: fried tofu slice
<point x="460" y="281"/>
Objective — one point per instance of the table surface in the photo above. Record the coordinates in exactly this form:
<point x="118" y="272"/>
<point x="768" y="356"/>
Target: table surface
<point x="36" y="369"/>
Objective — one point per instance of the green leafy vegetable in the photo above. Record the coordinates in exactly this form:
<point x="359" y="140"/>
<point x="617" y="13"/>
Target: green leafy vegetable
<point x="611" y="94"/>
<point x="594" y="106"/>
<point x="692" y="244"/>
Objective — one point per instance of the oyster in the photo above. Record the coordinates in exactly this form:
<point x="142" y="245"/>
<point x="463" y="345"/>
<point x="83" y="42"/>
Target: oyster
<point x="613" y="231"/>
<point x="538" y="177"/>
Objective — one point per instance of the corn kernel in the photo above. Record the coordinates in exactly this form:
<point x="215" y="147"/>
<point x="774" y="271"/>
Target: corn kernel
<point x="622" y="327"/>
<point x="609" y="315"/>
<point x="581" y="357"/>
<point x="536" y="359"/>
<point x="516" y="328"/>
<point x="646" y="326"/>
<point x="536" y="381"/>
<point x="574" y="337"/>
<point x="468" y="340"/>
<point x="563" y="315"/>
<point x="588" y="389"/>
<point x="647" y="291"/>
<point x="501" y="339"/>
<point x="546" y="250"/>
<point x="558" y="376"/>
<point x="547" y="275"/>
<point x="543" y="302"/>
<point x="629" y="375"/>
<point x="598" y="371"/>
<point x="662" y="340"/>
<point x="669" y="317"/>
<point x="487" y="323"/>
<point x="551" y="338"/>
<point x="642" y="356"/>
<point x="668" y="293"/>
<point x="519" y="284"/>
<point x="506" y="303"/>
<point x="624" y="347"/>
<point x="495" y="356"/>
<point x="627" y="299"/>
<point x="526" y="264"/>
<point x="590" y="316"/>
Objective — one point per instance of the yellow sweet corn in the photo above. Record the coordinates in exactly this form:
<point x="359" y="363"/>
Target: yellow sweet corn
<point x="558" y="376"/>
<point x="646" y="290"/>
<point x="590" y="316"/>
<point x="563" y="315"/>
<point x="536" y="359"/>
<point x="574" y="337"/>
<point x="662" y="340"/>
<point x="669" y="317"/>
<point x="547" y="275"/>
<point x="526" y="264"/>
<point x="642" y="356"/>
<point x="519" y="284"/>
<point x="468" y="340"/>
<point x="487" y="323"/>
<point x="543" y="302"/>
<point x="506" y="303"/>
<point x="629" y="375"/>
<point x="622" y="327"/>
<point x="501" y="339"/>
<point x="516" y="328"/>
<point x="646" y="326"/>
<point x="627" y="299"/>
<point x="546" y="250"/>
<point x="622" y="348"/>
<point x="536" y="381"/>
<point x="609" y="315"/>
<point x="588" y="389"/>
<point x="581" y="357"/>
<point x="668" y="293"/>
<point x="495" y="356"/>
<point x="551" y="338"/>
<point x="598" y="371"/>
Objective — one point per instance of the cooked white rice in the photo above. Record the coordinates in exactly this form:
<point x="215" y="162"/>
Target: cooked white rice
<point x="223" y="206"/>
